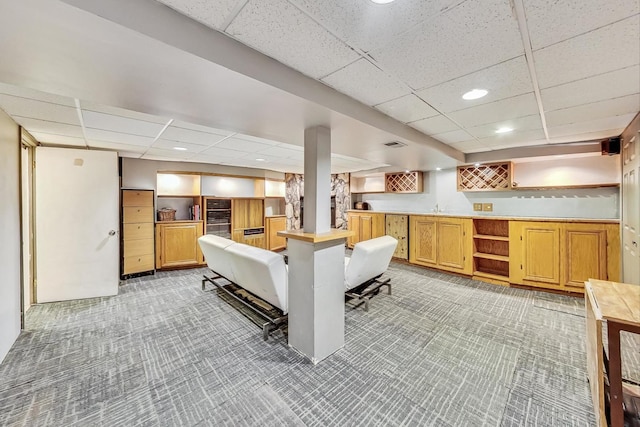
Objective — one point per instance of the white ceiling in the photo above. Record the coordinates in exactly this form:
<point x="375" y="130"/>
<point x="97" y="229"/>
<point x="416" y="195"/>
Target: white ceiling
<point x="557" y="72"/>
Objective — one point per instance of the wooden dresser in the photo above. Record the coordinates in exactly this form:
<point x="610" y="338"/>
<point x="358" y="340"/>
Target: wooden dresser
<point x="137" y="246"/>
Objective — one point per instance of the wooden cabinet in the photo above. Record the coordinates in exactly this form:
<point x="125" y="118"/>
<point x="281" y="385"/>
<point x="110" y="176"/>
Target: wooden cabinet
<point x="365" y="225"/>
<point x="485" y="177"/>
<point x="397" y="226"/>
<point x="562" y="256"/>
<point x="403" y="182"/>
<point x="247" y="222"/>
<point x="440" y="242"/>
<point x="273" y="225"/>
<point x="177" y="244"/>
<point x="491" y="250"/>
<point x="137" y="245"/>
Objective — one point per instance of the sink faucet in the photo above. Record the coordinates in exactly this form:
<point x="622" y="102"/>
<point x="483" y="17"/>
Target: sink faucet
<point x="437" y="209"/>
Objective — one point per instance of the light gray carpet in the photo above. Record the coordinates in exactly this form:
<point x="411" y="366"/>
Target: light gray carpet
<point x="442" y="350"/>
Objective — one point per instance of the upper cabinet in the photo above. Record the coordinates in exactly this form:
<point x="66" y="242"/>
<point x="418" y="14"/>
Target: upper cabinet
<point x="174" y="184"/>
<point x="399" y="182"/>
<point x="485" y="177"/>
<point x="228" y="186"/>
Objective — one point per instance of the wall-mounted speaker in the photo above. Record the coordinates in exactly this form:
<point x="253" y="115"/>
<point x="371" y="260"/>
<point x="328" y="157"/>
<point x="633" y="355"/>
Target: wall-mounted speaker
<point x="610" y="146"/>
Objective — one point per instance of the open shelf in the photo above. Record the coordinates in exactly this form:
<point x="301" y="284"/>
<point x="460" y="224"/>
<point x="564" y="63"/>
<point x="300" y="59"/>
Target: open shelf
<point x="492" y="275"/>
<point x="491" y="256"/>
<point x="490" y="237"/>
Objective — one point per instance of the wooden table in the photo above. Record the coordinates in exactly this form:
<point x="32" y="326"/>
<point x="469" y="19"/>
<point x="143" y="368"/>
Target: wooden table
<point x="619" y="305"/>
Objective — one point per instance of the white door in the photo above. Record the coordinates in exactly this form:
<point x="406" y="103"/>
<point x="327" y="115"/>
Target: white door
<point x="630" y="217"/>
<point x="77" y="245"/>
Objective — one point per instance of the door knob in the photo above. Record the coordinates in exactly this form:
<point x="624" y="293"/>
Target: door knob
<point x="112" y="233"/>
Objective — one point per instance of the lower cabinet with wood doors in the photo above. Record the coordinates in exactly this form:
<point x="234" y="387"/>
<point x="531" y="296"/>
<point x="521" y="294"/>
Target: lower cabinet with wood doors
<point x="397" y="226"/>
<point x="177" y="244"/>
<point x="274" y="224"/>
<point x="137" y="232"/>
<point x="366" y="225"/>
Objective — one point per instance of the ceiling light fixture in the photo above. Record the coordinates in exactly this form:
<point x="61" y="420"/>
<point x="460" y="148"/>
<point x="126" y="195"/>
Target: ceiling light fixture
<point x="180" y="148"/>
<point x="504" y="130"/>
<point x="476" y="164"/>
<point x="475" y="94"/>
<point x="382" y="1"/>
<point x="259" y="160"/>
<point x="438" y="169"/>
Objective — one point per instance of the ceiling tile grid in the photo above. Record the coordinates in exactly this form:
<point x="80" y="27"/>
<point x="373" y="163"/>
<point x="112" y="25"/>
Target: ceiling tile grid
<point x="194" y="137"/>
<point x="472" y="36"/>
<point x="551" y="21"/>
<point x="101" y="121"/>
<point x="52" y="139"/>
<point x="504" y="80"/>
<point x="408" y="108"/>
<point x="596" y="110"/>
<point x="282" y="31"/>
<point x="435" y="125"/>
<point x="531" y="122"/>
<point x="37" y="95"/>
<point x="367" y="83"/>
<point x="599" y="51"/>
<point x="23" y="107"/>
<point x="121" y="138"/>
<point x="614" y="84"/>
<point x="615" y="123"/>
<point x="519" y="138"/>
<point x="45" y="126"/>
<point x="505" y="109"/>
<point x="453" y="136"/>
<point x="213" y="14"/>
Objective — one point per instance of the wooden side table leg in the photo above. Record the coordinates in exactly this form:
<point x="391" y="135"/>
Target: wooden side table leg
<point x="615" y="374"/>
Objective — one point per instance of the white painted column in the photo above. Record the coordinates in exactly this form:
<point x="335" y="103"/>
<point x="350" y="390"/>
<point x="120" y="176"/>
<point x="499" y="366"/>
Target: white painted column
<point x="316" y="259"/>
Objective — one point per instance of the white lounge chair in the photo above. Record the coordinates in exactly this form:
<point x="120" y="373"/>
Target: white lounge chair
<point x="368" y="261"/>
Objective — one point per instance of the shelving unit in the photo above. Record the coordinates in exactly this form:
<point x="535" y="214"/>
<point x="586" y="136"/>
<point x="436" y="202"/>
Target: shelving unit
<point x="217" y="217"/>
<point x="491" y="250"/>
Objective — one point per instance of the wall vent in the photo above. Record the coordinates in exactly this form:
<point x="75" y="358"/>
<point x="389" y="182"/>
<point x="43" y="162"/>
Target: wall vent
<point x="395" y="144"/>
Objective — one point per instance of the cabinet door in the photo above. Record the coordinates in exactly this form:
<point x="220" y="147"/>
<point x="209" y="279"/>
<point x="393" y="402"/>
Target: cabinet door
<point x="179" y="245"/>
<point x="585" y="253"/>
<point x="353" y="224"/>
<point x="397" y="227"/>
<point x="366" y="227"/>
<point x="541" y="252"/>
<point x="422" y="240"/>
<point x="451" y="243"/>
<point x="274" y="225"/>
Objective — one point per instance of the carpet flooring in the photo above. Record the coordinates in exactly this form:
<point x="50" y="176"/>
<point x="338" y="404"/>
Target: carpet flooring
<point x="440" y="351"/>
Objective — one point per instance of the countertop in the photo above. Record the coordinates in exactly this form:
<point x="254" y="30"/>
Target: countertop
<point x="511" y="218"/>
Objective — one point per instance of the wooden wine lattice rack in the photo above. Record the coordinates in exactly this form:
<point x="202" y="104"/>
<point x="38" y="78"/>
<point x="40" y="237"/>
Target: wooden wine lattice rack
<point x="486" y="177"/>
<point x="407" y="182"/>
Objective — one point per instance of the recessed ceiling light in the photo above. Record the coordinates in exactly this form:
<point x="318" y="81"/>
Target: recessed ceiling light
<point x="475" y="94"/>
<point x="259" y="160"/>
<point x="477" y="164"/>
<point x="438" y="169"/>
<point x="504" y="130"/>
<point x="407" y="171"/>
<point x="180" y="148"/>
<point x="382" y="1"/>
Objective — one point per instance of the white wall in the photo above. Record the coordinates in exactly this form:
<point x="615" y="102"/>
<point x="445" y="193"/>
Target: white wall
<point x="440" y="189"/>
<point x="9" y="233"/>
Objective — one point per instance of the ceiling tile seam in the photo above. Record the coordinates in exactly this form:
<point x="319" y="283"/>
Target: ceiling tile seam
<point x="591" y="76"/>
<point x="122" y="117"/>
<point x="158" y="135"/>
<point x="587" y="32"/>
<point x="79" y="113"/>
<point x="528" y="55"/>
<point x="36" y="100"/>
<point x="233" y="15"/>
<point x="44" y="120"/>
<point x="223" y="139"/>
<point x="593" y="102"/>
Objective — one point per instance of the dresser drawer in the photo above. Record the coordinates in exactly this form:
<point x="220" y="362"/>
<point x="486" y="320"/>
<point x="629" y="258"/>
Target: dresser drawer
<point x="132" y="214"/>
<point x="137" y="198"/>
<point x="133" y="231"/>
<point x="138" y="264"/>
<point x="138" y="247"/>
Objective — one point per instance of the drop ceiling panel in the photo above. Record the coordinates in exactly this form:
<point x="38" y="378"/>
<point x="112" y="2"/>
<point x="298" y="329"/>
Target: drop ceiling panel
<point x="501" y="145"/>
<point x="27" y="93"/>
<point x="215" y="152"/>
<point x="95" y="120"/>
<point x="503" y="80"/>
<point x="589" y="136"/>
<point x="614" y="84"/>
<point x="282" y="31"/>
<point x="552" y="21"/>
<point x="235" y="143"/>
<point x="453" y="136"/>
<point x="531" y="122"/>
<point x="435" y="125"/>
<point x="367" y="83"/>
<point x="519" y="139"/>
<point x="608" y="123"/>
<point x="117" y="147"/>
<point x="191" y="136"/>
<point x="51" y="139"/>
<point x="43" y="126"/>
<point x="210" y="13"/>
<point x="408" y="108"/>
<point x="17" y="106"/>
<point x="114" y="111"/>
<point x="205" y="129"/>
<point x="472" y="146"/>
<point x="606" y="49"/>
<point x="367" y="25"/>
<point x="505" y="109"/>
<point x="171" y="154"/>
<point x="282" y="152"/>
<point x="464" y="39"/>
<point x="168" y="144"/>
<point x="122" y="138"/>
<point x="594" y="111"/>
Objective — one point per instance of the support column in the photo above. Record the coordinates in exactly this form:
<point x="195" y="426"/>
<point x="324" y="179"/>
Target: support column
<point x="316" y="259"/>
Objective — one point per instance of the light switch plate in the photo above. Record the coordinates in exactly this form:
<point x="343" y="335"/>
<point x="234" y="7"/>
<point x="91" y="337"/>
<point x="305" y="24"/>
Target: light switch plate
<point x="477" y="206"/>
<point x="487" y="207"/>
